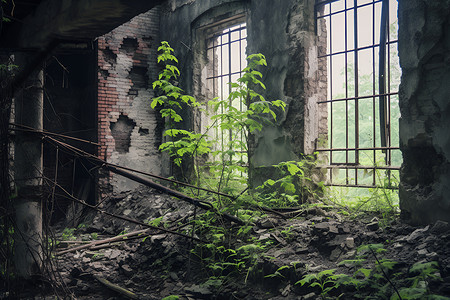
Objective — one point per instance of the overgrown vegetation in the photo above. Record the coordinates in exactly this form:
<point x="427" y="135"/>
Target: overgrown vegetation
<point x="384" y="280"/>
<point x="232" y="252"/>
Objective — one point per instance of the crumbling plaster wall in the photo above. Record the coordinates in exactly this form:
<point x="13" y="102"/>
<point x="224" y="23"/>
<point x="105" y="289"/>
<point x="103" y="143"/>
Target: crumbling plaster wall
<point x="282" y="30"/>
<point x="129" y="132"/>
<point x="287" y="36"/>
<point x="424" y="50"/>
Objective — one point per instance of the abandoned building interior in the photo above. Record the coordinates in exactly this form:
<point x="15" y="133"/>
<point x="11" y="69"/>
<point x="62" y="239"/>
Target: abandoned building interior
<point x="293" y="101"/>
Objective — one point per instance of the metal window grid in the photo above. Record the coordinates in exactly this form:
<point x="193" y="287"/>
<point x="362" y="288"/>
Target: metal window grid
<point x="226" y="55"/>
<point x="362" y="95"/>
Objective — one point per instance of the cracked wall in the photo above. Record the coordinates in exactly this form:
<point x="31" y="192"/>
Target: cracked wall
<point x="287" y="37"/>
<point x="127" y="66"/>
<point x="424" y="50"/>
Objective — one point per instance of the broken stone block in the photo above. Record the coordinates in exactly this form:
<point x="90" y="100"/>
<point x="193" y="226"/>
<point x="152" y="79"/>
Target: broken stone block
<point x="268" y="223"/>
<point x="350" y="242"/>
<point x="440" y="227"/>
<point x="416" y="234"/>
<point x="334" y="229"/>
<point x="173" y="276"/>
<point x="422" y="252"/>
<point x="323" y="226"/>
<point x="373" y="226"/>
<point x="264" y="236"/>
<point x="421" y="246"/>
<point x="301" y="250"/>
<point x="309" y="296"/>
<point x="432" y="256"/>
<point x="200" y="290"/>
<point x="285" y="292"/>
<point x="335" y="254"/>
<point x="127" y="270"/>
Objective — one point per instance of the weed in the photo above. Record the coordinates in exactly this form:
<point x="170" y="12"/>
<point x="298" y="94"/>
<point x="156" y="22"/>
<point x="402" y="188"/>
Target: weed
<point x="293" y="185"/>
<point x="171" y="297"/>
<point x="325" y="280"/>
<point x="222" y="165"/>
<point x="68" y="234"/>
<point x="383" y="281"/>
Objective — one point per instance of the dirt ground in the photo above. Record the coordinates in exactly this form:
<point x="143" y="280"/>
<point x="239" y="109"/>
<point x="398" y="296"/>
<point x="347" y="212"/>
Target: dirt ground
<point x="153" y="264"/>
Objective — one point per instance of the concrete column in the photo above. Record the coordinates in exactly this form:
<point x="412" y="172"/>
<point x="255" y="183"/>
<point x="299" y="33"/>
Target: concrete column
<point x="288" y="39"/>
<point x="424" y="50"/>
<point x="28" y="175"/>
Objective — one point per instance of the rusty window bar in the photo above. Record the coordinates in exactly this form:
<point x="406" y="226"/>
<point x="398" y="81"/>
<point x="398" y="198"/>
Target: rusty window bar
<point x="337" y="166"/>
<point x="391" y="187"/>
<point x="342" y="10"/>
<point x="359" y="98"/>
<point x="220" y="45"/>
<point x="359" y="48"/>
<point x="382" y="93"/>
<point x="360" y="148"/>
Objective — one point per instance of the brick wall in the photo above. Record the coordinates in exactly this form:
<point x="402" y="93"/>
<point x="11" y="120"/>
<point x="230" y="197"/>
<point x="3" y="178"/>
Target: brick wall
<point x="128" y="128"/>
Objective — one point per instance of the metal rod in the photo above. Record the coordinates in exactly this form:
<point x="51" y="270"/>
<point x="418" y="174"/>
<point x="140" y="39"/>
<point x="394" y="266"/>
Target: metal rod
<point x="355" y="15"/>
<point x="358" y="98"/>
<point x="359" y="49"/>
<point x="331" y="87"/>
<point x="340" y="11"/>
<point x="361" y="186"/>
<point x="346" y="91"/>
<point x="360" y="148"/>
<point x="357" y="167"/>
<point x="382" y="72"/>
<point x="374" y="139"/>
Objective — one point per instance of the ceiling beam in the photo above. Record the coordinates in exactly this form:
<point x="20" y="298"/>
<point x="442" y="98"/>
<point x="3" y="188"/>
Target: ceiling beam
<point x="73" y="20"/>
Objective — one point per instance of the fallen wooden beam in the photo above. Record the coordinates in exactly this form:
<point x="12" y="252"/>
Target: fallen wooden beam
<point x="166" y="190"/>
<point x="118" y="170"/>
<point x="126" y="293"/>
<point x="143" y="232"/>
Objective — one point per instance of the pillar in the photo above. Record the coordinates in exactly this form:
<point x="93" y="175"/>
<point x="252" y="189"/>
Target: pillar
<point x="28" y="175"/>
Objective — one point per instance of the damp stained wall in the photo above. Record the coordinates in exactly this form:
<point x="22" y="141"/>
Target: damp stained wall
<point x="287" y="37"/>
<point x="424" y="50"/>
<point x="129" y="131"/>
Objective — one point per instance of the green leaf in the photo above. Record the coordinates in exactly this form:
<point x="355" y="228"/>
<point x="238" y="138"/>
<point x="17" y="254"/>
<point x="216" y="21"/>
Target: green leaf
<point x="269" y="182"/>
<point x="410" y="294"/>
<point x="283" y="267"/>
<point x="326" y="272"/>
<point x="288" y="187"/>
<point x="354" y="262"/>
<point x="307" y="279"/>
<point x="427" y="267"/>
<point x="292" y="168"/>
<point x="364" y="271"/>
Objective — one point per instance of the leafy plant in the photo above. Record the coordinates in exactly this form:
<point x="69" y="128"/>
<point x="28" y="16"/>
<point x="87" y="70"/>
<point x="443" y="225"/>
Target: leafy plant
<point x="171" y="297"/>
<point x="221" y="162"/>
<point x="422" y="273"/>
<point x="227" y="162"/>
<point x="293" y="185"/>
<point x="382" y="282"/>
<point x="181" y="142"/>
<point x="325" y="280"/>
<point x="68" y="234"/>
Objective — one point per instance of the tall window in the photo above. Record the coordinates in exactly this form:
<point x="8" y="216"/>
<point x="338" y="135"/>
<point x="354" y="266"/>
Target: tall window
<point x="362" y="97"/>
<point x="225" y="48"/>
